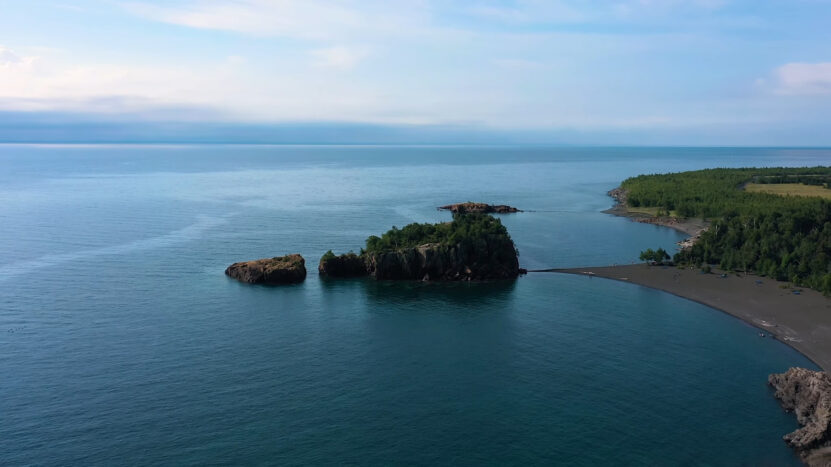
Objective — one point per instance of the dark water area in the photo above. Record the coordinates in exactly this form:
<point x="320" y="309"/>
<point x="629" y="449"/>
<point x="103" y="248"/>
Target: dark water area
<point x="122" y="342"/>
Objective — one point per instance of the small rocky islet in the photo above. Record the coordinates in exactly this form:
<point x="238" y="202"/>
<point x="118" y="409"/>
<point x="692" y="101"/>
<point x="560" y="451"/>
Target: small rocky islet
<point x="474" y="246"/>
<point x="480" y="208"/>
<point x="288" y="269"/>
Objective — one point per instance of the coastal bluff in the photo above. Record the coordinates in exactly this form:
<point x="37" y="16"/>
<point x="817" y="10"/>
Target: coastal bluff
<point x="345" y="265"/>
<point x="808" y="394"/>
<point x="429" y="262"/>
<point x="288" y="269"/>
<point x="436" y="262"/>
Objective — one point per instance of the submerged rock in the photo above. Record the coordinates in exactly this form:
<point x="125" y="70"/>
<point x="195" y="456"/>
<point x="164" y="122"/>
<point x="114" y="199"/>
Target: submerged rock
<point x="808" y="394"/>
<point x="470" y="207"/>
<point x="289" y="269"/>
<point x="346" y="265"/>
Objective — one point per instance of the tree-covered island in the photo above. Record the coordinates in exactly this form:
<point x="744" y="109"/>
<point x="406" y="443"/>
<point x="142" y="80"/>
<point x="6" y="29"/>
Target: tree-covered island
<point x="471" y="247"/>
<point x="774" y="222"/>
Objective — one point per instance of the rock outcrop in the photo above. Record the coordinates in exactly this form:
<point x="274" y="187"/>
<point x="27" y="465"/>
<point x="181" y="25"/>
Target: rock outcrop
<point x="470" y="207"/>
<point x="435" y="262"/>
<point x="346" y="265"/>
<point x="472" y="246"/>
<point x="808" y="394"/>
<point x="619" y="194"/>
<point x="289" y="269"/>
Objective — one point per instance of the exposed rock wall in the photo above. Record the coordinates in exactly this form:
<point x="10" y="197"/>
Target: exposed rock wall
<point x="808" y="394"/>
<point x="347" y="265"/>
<point x="433" y="262"/>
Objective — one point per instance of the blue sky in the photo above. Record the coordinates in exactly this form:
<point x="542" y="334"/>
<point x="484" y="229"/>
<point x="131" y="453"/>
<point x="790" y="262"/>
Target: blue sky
<point x="623" y="71"/>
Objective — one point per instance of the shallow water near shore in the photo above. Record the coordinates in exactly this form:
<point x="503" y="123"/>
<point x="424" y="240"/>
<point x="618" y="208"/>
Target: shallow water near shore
<point x="122" y="342"/>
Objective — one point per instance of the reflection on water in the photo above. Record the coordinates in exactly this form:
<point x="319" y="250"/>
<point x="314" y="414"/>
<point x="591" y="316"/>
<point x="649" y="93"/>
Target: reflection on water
<point x="391" y="293"/>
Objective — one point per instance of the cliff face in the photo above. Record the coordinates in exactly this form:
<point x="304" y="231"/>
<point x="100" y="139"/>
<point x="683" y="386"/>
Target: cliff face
<point x="289" y="269"/>
<point x="808" y="394"/>
<point x="435" y="262"/>
<point x="347" y="265"/>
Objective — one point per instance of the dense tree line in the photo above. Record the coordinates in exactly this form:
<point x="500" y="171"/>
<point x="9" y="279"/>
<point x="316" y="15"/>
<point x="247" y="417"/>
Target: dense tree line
<point x="783" y="237"/>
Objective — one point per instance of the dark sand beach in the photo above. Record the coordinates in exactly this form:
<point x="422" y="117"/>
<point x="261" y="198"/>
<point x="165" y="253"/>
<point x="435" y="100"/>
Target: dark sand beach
<point x="800" y="317"/>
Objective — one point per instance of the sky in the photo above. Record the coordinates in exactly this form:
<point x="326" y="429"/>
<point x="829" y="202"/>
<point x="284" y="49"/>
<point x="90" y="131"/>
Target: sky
<point x="564" y="71"/>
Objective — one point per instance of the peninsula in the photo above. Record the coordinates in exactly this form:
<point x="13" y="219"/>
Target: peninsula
<point x="785" y="236"/>
<point x="760" y="251"/>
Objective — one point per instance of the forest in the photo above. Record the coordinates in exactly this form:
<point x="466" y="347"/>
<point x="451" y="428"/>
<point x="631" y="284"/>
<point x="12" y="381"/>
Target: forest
<point x="787" y="238"/>
<point x="467" y="230"/>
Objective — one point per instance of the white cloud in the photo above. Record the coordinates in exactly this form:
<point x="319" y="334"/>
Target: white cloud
<point x="577" y="11"/>
<point x="9" y="60"/>
<point x="534" y="11"/>
<point x="518" y="64"/>
<point x="803" y="79"/>
<point x="226" y="88"/>
<point x="319" y="20"/>
<point x="338" y="57"/>
<point x="7" y="57"/>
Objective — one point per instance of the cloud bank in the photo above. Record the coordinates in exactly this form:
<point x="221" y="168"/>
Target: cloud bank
<point x="559" y="65"/>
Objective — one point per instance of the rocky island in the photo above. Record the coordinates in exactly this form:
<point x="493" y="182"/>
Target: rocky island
<point x="808" y="394"/>
<point x="288" y="269"/>
<point x="471" y="247"/>
<point x="481" y="208"/>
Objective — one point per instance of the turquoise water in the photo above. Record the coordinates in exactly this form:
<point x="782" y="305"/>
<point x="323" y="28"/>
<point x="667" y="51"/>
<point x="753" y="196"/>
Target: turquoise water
<point x="123" y="343"/>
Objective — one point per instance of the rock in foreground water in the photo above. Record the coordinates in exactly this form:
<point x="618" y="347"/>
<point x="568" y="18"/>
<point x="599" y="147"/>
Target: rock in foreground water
<point x="289" y="269"/>
<point x="808" y="394"/>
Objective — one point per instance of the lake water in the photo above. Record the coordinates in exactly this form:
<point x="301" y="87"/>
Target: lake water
<point x="122" y="342"/>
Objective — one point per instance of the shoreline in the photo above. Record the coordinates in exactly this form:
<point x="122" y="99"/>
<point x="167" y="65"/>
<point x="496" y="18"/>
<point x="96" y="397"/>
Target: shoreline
<point x="690" y="225"/>
<point x="801" y="320"/>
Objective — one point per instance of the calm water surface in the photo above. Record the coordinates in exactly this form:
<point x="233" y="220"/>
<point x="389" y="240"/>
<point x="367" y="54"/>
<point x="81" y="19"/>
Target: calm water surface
<point x="122" y="342"/>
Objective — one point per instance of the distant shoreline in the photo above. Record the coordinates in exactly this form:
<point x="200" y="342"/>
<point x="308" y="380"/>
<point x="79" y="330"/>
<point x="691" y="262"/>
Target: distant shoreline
<point x="690" y="226"/>
<point x="802" y="321"/>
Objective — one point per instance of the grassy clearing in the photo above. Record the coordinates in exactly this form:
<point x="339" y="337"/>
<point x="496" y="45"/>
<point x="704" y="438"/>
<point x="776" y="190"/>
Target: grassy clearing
<point x="789" y="189"/>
